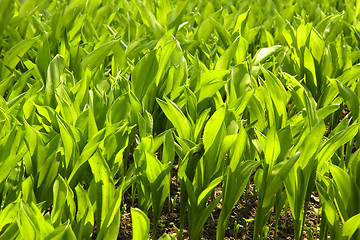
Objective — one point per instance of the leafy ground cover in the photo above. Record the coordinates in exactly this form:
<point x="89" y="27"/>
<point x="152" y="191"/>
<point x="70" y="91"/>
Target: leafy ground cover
<point x="179" y="119"/>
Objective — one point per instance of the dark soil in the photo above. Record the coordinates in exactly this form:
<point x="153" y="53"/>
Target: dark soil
<point x="6" y="93"/>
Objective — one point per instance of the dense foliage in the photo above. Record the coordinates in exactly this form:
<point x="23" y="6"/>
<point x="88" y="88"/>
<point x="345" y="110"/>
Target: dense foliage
<point x="102" y="98"/>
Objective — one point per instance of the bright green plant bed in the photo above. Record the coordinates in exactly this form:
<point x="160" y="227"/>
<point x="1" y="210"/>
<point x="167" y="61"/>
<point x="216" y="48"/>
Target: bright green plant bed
<point x="107" y="105"/>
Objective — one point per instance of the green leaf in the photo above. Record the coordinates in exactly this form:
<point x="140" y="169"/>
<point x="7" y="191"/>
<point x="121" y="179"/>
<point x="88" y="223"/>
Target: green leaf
<point x="351" y="99"/>
<point x="240" y="82"/>
<point x="312" y="116"/>
<point x="257" y="113"/>
<point x="158" y="177"/>
<point x="11" y="232"/>
<point x="204" y="195"/>
<point x="191" y="103"/>
<point x="17" y="89"/>
<point x="223" y="33"/>
<point x="12" y="57"/>
<point x="144" y="74"/>
<point x="149" y="19"/>
<point x="62" y="232"/>
<point x="168" y="148"/>
<point x="212" y="128"/>
<point x="317" y="45"/>
<point x="203" y="216"/>
<point x="11" y="152"/>
<point x="351" y="225"/>
<point x="303" y="34"/>
<point x="87" y="152"/>
<point x="97" y="57"/>
<point x="111" y="224"/>
<point x="265" y="53"/>
<point x="350" y="75"/>
<point x="119" y="110"/>
<point x="205" y="29"/>
<point x="43" y="58"/>
<point x="105" y="186"/>
<point x="6" y="14"/>
<point x="135" y="47"/>
<point x="177" y="118"/>
<point x="326" y="111"/>
<point x="346" y="191"/>
<point x="8" y="214"/>
<point x="145" y="124"/>
<point x="189" y="189"/>
<point x="329" y="148"/>
<point x="60" y="192"/>
<point x="167" y="237"/>
<point x="85" y="213"/>
<point x="225" y="59"/>
<point x="271" y="148"/>
<point x="210" y="89"/>
<point x="311" y="144"/>
<point x="54" y="72"/>
<point x="176" y="18"/>
<point x="140" y="224"/>
<point x="278" y="175"/>
<point x="68" y="142"/>
<point x="212" y="76"/>
<point x="233" y="187"/>
<point x="277" y="93"/>
<point x="241" y="22"/>
<point x="167" y="52"/>
<point x="310" y="80"/>
<point x="31" y="223"/>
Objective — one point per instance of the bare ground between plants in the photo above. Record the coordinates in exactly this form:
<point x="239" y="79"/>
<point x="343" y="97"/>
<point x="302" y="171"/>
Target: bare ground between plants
<point x="242" y="215"/>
